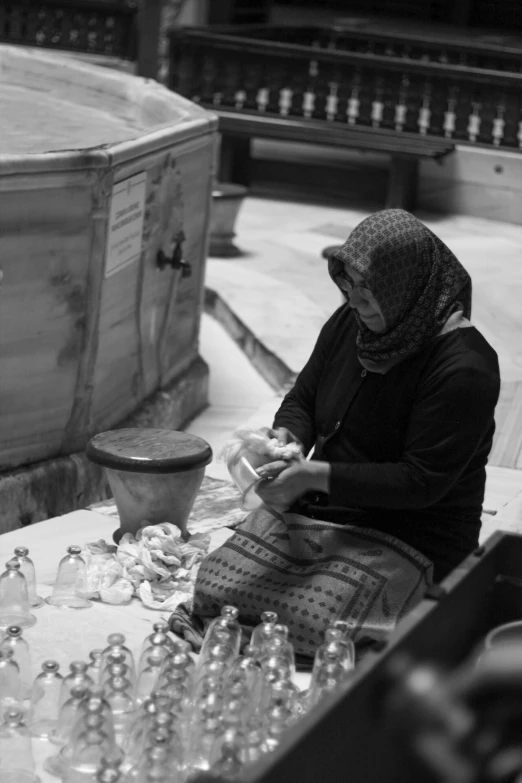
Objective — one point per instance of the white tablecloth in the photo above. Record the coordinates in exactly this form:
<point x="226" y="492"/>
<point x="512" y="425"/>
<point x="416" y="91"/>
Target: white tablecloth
<point x="70" y="635"/>
<point x="64" y="635"/>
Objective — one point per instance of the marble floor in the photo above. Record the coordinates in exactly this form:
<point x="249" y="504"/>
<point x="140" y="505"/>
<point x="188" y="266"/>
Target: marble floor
<point x="279" y="294"/>
<point x="239" y="395"/>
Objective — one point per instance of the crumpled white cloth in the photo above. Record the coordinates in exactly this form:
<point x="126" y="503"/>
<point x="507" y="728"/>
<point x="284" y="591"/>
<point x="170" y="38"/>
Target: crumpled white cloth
<point x="156" y="566"/>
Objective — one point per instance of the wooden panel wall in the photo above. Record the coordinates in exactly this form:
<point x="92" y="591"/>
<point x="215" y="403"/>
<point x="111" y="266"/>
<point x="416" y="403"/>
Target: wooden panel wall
<point x="502" y="14"/>
<point x="45" y="243"/>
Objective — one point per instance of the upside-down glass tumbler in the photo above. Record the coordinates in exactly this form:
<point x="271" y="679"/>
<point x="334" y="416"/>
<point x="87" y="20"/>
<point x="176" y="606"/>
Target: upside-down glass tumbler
<point x="14" y="598"/>
<point x="69" y="587"/>
<point x="16" y="752"/>
<point x="10" y="684"/>
<point x="28" y="570"/>
<point x="21" y="655"/>
<point x="45" y="700"/>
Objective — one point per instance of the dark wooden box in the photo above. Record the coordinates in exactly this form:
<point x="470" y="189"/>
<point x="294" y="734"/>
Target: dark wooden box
<point x="348" y="738"/>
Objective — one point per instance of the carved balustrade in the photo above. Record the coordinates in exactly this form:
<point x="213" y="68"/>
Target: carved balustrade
<point x="468" y="104"/>
<point x="474" y="48"/>
<point x="96" y="27"/>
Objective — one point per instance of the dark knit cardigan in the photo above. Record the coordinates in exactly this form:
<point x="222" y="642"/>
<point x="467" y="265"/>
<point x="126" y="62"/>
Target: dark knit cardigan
<point x="407" y="449"/>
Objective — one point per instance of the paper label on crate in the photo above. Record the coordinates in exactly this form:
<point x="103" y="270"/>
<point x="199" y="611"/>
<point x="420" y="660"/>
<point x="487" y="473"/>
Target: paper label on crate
<point x="125" y="223"/>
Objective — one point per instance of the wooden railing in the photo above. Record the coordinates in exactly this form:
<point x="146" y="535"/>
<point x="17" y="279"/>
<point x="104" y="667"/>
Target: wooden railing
<point x="471" y="105"/>
<point x="101" y="27"/>
<point x="476" y="49"/>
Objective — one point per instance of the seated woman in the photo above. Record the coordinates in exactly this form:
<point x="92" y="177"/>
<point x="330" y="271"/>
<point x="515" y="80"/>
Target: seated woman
<point x="397" y="399"/>
<point x="397" y="402"/>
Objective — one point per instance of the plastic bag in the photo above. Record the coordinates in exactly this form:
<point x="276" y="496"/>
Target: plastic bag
<point x="154" y="600"/>
<point x="119" y="592"/>
<point x="255" y="443"/>
<point x="247" y="450"/>
<point x="157" y="566"/>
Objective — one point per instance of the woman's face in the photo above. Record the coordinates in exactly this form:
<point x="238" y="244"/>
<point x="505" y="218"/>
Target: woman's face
<point x="362" y="300"/>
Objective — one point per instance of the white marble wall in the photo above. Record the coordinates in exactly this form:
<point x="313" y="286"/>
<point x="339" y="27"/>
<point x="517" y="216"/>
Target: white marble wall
<point x="474" y="181"/>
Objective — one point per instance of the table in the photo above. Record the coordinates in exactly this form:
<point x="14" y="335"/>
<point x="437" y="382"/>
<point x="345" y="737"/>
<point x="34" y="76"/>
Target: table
<point x="66" y="636"/>
<point x="70" y="635"/>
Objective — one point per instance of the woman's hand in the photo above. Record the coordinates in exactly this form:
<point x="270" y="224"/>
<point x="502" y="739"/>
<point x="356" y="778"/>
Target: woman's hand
<point x="283" y="436"/>
<point x="285" y="482"/>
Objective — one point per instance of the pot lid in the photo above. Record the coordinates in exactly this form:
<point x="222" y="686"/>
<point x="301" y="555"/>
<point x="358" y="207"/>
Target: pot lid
<point x="149" y="450"/>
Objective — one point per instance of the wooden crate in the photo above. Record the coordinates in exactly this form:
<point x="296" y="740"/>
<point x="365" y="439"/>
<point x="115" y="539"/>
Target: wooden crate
<point x="99" y="171"/>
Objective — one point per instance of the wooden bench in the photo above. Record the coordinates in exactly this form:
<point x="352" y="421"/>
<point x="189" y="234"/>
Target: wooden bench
<point x="405" y="149"/>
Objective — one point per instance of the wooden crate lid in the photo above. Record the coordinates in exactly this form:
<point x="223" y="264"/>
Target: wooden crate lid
<point x="55" y="103"/>
<point x="149" y="450"/>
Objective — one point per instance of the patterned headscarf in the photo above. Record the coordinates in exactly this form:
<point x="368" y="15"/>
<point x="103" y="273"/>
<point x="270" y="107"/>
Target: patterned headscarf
<point x="414" y="278"/>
